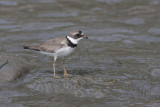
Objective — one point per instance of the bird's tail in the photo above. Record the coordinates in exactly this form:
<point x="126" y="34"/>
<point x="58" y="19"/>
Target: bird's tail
<point x="26" y="47"/>
<point x="34" y="47"/>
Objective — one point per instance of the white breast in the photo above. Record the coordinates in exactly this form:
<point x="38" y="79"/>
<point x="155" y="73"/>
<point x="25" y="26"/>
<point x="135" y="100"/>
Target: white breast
<point x="64" y="51"/>
<point x="60" y="52"/>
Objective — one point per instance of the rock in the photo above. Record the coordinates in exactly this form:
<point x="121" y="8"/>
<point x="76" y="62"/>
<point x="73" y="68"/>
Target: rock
<point x="77" y="86"/>
<point x="156" y="104"/>
<point x="96" y="93"/>
<point x="57" y="86"/>
<point x="144" y="104"/>
<point x="13" y="67"/>
<point x="155" y="72"/>
<point x="155" y="92"/>
<point x="85" y="81"/>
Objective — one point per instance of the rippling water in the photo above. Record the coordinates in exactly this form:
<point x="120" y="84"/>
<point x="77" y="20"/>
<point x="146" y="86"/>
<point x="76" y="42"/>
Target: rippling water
<point x="121" y="53"/>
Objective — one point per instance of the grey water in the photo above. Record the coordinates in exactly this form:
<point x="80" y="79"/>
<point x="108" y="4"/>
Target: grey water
<point x="120" y="55"/>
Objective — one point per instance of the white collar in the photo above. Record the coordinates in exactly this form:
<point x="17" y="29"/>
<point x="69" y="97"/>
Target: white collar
<point x="74" y="41"/>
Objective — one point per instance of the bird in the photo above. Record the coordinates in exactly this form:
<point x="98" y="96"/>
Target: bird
<point x="59" y="47"/>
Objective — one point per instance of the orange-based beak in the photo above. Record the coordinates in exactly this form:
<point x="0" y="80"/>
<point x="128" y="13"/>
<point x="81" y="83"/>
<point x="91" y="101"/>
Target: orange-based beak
<point x="84" y="36"/>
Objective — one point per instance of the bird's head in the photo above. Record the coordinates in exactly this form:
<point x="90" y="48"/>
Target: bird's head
<point x="76" y="36"/>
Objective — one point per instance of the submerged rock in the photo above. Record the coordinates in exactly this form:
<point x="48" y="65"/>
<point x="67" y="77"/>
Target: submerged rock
<point x="155" y="72"/>
<point x="76" y="86"/>
<point x="155" y="92"/>
<point x="13" y="67"/>
<point x="57" y="86"/>
<point x="144" y="104"/>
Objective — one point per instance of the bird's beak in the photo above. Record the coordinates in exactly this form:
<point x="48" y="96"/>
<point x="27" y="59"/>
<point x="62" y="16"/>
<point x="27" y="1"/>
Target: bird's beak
<point x="84" y="36"/>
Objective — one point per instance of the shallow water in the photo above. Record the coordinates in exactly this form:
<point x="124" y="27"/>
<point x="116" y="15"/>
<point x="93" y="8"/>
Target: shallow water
<point x="122" y="50"/>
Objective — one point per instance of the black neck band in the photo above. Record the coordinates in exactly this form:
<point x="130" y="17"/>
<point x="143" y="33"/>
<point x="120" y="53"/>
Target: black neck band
<point x="70" y="43"/>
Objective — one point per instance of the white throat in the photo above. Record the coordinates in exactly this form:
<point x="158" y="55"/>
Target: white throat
<point x="74" y="41"/>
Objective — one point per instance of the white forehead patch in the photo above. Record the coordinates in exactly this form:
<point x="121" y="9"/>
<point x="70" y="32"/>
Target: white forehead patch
<point x="75" y="33"/>
<point x="74" y="41"/>
<point x="82" y="33"/>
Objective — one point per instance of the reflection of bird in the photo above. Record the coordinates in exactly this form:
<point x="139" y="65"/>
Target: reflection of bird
<point x="59" y="47"/>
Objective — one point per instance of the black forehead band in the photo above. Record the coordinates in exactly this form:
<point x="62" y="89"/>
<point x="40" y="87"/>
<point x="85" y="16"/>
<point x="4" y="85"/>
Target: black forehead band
<point x="80" y="31"/>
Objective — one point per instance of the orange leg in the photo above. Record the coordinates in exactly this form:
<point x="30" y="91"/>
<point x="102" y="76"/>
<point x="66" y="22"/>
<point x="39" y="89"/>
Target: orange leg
<point x="65" y="72"/>
<point x="54" y="71"/>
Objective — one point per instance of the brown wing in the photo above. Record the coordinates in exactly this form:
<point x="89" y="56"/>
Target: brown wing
<point x="49" y="46"/>
<point x="53" y="44"/>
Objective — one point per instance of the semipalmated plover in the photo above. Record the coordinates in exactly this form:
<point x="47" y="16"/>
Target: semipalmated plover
<point x="59" y="47"/>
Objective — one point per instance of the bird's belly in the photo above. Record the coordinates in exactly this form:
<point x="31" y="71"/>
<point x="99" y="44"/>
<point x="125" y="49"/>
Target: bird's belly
<point x="49" y="54"/>
<point x="65" y="51"/>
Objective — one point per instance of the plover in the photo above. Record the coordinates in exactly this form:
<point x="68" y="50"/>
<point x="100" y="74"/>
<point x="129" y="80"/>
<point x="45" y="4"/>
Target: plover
<point x="59" y="47"/>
